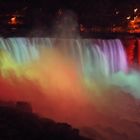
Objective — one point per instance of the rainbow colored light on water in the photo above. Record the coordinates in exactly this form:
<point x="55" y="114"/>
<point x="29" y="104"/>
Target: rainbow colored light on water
<point x="72" y="80"/>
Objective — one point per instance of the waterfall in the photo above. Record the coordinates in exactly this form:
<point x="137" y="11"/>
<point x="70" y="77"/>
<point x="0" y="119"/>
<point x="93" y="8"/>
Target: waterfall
<point x="95" y="56"/>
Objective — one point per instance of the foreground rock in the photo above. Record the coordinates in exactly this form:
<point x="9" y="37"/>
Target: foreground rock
<point x="17" y="122"/>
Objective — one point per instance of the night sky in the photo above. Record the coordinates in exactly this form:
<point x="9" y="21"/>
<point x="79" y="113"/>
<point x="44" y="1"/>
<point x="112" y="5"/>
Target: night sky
<point x="103" y="13"/>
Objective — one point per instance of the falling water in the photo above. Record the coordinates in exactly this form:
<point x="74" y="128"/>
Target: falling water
<point x="93" y="55"/>
<point x="61" y="78"/>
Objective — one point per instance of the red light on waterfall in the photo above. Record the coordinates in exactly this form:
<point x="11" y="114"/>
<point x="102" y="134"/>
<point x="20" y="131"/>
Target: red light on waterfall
<point x="138" y="51"/>
<point x="130" y="52"/>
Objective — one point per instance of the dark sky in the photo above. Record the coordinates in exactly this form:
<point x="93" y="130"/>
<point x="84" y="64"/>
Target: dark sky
<point x="89" y="11"/>
<point x="79" y="6"/>
<point x="74" y="4"/>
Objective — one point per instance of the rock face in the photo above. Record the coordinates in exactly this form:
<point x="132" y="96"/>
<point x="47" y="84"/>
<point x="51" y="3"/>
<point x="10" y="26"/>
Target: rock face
<point x="24" y="106"/>
<point x="19" y="123"/>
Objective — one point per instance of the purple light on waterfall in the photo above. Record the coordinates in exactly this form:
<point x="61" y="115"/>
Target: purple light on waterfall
<point x="114" y="52"/>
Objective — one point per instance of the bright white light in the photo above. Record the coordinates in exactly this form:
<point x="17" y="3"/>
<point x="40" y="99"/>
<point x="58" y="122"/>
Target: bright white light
<point x="117" y="12"/>
<point x="128" y="17"/>
<point x="135" y="10"/>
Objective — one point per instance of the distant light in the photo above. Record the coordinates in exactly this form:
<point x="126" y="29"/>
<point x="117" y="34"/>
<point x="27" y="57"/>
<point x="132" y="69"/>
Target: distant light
<point x="82" y="28"/>
<point x="60" y="12"/>
<point x="128" y="17"/>
<point x="117" y="12"/>
<point x="135" y="17"/>
<point x="132" y="21"/>
<point x="13" y="20"/>
<point x="135" y="10"/>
